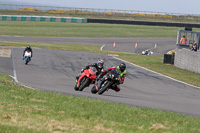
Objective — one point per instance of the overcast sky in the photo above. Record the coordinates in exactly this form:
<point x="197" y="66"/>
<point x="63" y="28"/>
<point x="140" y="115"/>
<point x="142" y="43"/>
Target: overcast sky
<point x="170" y="6"/>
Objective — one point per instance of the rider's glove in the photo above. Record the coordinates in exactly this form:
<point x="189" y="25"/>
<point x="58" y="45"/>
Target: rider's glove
<point x="82" y="70"/>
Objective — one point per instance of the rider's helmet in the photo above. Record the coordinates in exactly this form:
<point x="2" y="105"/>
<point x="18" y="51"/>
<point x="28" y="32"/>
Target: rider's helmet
<point x="122" y="66"/>
<point x="28" y="46"/>
<point x="100" y="63"/>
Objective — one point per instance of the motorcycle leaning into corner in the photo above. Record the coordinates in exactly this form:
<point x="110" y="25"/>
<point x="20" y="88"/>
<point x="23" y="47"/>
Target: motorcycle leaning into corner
<point x="27" y="57"/>
<point x="85" y="79"/>
<point x="109" y="81"/>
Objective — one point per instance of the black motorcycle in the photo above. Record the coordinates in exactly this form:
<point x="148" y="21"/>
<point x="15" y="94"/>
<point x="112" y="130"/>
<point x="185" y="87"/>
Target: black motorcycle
<point x="109" y="81"/>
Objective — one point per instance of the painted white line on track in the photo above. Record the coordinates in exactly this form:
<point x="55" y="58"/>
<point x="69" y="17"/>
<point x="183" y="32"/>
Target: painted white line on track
<point x="102" y="47"/>
<point x="22" y="84"/>
<point x="14" y="71"/>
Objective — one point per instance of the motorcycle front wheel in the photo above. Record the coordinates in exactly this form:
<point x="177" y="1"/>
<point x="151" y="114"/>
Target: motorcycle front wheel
<point x="75" y="87"/>
<point x="86" y="81"/>
<point x="104" y="87"/>
<point x="27" y="59"/>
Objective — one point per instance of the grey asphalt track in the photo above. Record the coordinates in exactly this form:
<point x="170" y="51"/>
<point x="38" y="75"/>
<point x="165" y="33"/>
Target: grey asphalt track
<point x="55" y="71"/>
<point x="122" y="44"/>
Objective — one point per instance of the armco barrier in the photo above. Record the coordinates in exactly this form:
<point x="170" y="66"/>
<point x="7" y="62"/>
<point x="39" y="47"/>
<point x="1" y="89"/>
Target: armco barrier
<point x="110" y="21"/>
<point x="42" y="18"/>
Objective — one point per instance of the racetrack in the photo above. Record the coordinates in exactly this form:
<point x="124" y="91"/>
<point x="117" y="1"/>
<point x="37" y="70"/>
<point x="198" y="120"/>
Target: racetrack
<point x="55" y="70"/>
<point x="122" y="44"/>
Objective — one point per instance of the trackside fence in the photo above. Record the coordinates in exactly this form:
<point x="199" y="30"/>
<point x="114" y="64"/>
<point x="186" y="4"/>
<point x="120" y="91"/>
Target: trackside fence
<point x="92" y="12"/>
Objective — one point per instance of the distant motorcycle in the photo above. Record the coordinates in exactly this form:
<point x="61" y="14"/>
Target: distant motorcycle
<point x="85" y="79"/>
<point x="109" y="81"/>
<point x="27" y="57"/>
<point x="147" y="52"/>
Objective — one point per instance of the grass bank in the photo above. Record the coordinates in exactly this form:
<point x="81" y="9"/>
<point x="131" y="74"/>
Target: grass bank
<point x="31" y="111"/>
<point x="154" y="63"/>
<point x="59" y="29"/>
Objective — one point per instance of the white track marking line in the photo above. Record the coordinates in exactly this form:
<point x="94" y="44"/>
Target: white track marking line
<point x="22" y="84"/>
<point x="102" y="47"/>
<point x="14" y="71"/>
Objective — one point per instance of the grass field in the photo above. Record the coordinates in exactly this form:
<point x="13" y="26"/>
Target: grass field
<point x="86" y="30"/>
<point x="30" y="111"/>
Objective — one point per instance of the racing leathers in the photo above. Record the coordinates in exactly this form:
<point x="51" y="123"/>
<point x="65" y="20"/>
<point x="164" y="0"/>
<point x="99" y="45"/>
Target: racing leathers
<point x="29" y="50"/>
<point x="122" y="78"/>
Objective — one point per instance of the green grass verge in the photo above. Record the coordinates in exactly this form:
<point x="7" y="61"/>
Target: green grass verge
<point x="154" y="63"/>
<point x="31" y="111"/>
<point x="59" y="29"/>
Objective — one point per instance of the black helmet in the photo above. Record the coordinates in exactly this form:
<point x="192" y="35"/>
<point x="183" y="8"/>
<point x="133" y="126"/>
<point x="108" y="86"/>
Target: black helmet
<point x="100" y="63"/>
<point x="28" y="46"/>
<point x="122" y="67"/>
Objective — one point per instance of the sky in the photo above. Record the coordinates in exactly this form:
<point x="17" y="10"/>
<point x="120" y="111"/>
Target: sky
<point x="169" y="6"/>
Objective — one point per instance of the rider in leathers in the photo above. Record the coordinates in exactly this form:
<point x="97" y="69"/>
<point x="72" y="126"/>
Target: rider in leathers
<point x="28" y="48"/>
<point x="98" y="66"/>
<point x="121" y="69"/>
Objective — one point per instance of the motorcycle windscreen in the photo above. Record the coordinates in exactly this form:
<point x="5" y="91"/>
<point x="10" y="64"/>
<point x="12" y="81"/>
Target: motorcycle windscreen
<point x="93" y="69"/>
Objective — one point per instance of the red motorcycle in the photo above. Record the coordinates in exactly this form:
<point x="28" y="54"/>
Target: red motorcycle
<point x="85" y="79"/>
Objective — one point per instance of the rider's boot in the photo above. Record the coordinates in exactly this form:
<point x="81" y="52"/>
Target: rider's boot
<point x="116" y="89"/>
